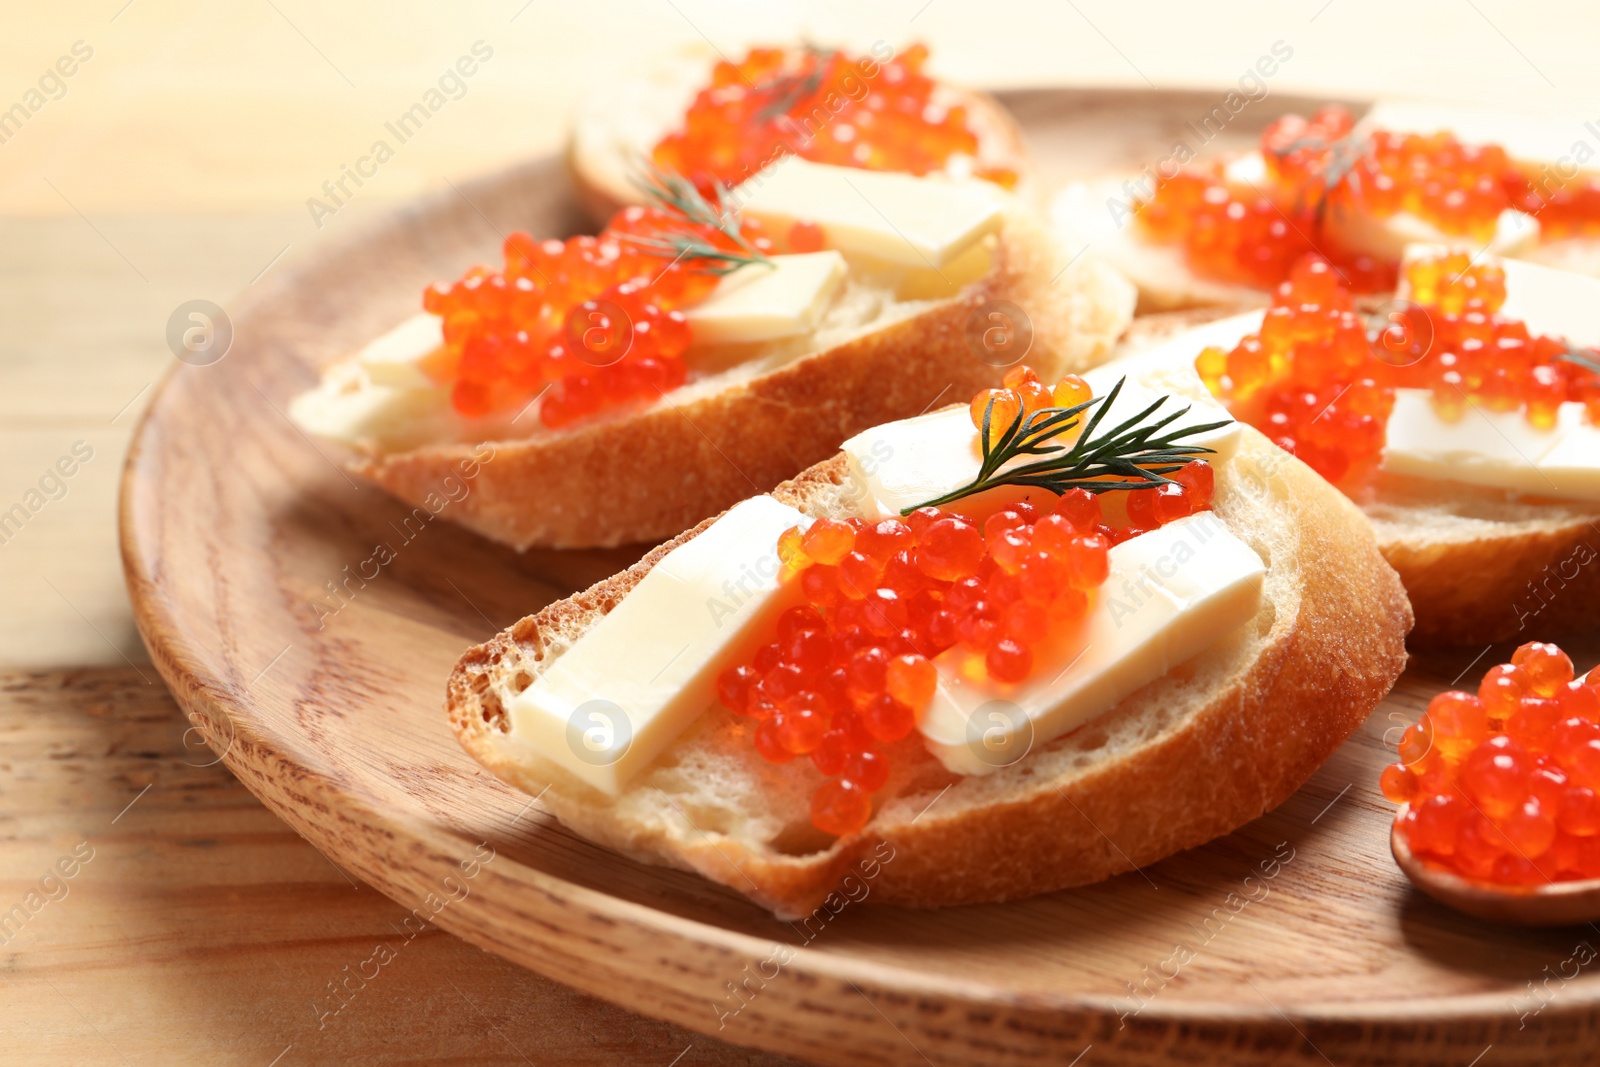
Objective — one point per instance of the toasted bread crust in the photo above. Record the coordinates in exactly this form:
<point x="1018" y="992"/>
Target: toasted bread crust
<point x="1331" y="656"/>
<point x="650" y="474"/>
<point x="1524" y="581"/>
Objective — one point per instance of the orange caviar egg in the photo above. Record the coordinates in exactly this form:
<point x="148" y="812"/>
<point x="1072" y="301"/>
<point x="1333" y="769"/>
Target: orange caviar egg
<point x="1000" y="406"/>
<point x="1502" y="784"/>
<point x="846" y="673"/>
<point x="825" y="106"/>
<point x="1071" y="391"/>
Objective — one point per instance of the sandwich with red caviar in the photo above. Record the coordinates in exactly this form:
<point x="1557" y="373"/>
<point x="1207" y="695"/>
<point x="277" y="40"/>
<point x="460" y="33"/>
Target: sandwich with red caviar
<point x="1027" y="644"/>
<point x="719" y="122"/>
<point x="1460" y="417"/>
<point x="635" y="382"/>
<point x="1225" y="229"/>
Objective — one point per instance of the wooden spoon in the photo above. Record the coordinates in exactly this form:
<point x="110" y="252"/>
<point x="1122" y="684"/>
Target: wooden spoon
<point x="1553" y="904"/>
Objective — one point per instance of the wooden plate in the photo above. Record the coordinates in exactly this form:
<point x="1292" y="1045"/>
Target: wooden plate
<point x="307" y="624"/>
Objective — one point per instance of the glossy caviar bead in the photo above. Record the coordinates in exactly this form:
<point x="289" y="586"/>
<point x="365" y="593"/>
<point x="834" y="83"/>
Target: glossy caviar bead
<point x="910" y="679"/>
<point x="952" y="549"/>
<point x="886" y="719"/>
<point x="1081" y="508"/>
<point x="999" y="406"/>
<point x="1547" y="667"/>
<point x="840" y="807"/>
<point x="1071" y="391"/>
<point x="828" y="541"/>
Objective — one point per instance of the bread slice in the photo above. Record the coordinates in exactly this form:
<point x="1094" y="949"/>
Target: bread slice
<point x="619" y="126"/>
<point x="1479" y="565"/>
<point x="646" y="474"/>
<point x="1218" y="741"/>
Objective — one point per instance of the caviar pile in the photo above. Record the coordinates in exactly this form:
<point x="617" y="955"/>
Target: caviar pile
<point x="823" y="106"/>
<point x="1309" y="379"/>
<point x="1255" y="234"/>
<point x="1478" y="354"/>
<point x="1315" y="168"/>
<point x="850" y="670"/>
<point x="1504" y="785"/>
<point x="596" y="319"/>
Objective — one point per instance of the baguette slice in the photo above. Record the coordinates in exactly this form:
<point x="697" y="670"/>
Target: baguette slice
<point x="1221" y="739"/>
<point x="615" y="128"/>
<point x="1479" y="565"/>
<point x="646" y="474"/>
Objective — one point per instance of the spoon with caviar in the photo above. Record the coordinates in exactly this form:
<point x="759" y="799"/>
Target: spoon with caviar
<point x="1500" y="794"/>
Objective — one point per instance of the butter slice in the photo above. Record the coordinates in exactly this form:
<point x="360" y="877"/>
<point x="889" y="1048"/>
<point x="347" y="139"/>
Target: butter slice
<point x="900" y="218"/>
<point x="347" y="407"/>
<point x="1386" y="237"/>
<point x="1572" y="468"/>
<point x="1500" y="449"/>
<point x="1172" y="593"/>
<point x="396" y="357"/>
<point x="905" y="464"/>
<point x="626" y="689"/>
<point x="765" y="303"/>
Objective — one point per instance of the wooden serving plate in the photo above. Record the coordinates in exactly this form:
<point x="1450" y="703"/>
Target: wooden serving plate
<point x="1294" y="940"/>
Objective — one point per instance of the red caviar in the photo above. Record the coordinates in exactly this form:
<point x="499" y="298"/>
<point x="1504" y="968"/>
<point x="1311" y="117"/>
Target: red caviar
<point x="1503" y="785"/>
<point x="1316" y="169"/>
<point x="1309" y="378"/>
<point x="592" y="322"/>
<point x="1314" y="381"/>
<point x="824" y="106"/>
<point x="848" y="672"/>
<point x="1480" y="356"/>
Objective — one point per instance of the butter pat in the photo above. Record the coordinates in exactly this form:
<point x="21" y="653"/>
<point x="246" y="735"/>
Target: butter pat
<point x="627" y="688"/>
<point x="1571" y="469"/>
<point x="905" y="464"/>
<point x="1172" y="593"/>
<point x="1500" y="449"/>
<point x="900" y="218"/>
<point x="396" y="358"/>
<point x="1386" y="237"/>
<point x="766" y="303"/>
<point x="347" y="407"/>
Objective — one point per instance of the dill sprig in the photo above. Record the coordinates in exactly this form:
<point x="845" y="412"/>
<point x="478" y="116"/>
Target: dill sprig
<point x="1338" y="167"/>
<point x="679" y="195"/>
<point x="1583" y="357"/>
<point x="789" y="90"/>
<point x="1134" y="451"/>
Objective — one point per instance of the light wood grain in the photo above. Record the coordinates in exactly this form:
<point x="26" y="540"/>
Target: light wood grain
<point x="203" y="930"/>
<point x="232" y="523"/>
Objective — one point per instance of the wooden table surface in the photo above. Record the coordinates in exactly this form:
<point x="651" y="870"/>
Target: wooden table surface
<point x="175" y="163"/>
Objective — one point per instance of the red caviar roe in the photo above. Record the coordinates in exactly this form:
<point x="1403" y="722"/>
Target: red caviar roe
<point x="1502" y="785"/>
<point x="848" y="671"/>
<point x="1480" y="356"/>
<point x="590" y="322"/>
<point x="1309" y="378"/>
<point x="824" y="106"/>
<point x="1253" y="232"/>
